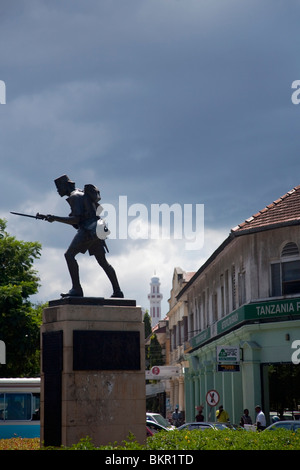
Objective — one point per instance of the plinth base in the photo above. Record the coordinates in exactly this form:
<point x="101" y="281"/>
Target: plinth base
<point x="93" y="372"/>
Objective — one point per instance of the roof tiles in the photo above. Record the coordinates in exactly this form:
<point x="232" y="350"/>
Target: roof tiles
<point x="285" y="210"/>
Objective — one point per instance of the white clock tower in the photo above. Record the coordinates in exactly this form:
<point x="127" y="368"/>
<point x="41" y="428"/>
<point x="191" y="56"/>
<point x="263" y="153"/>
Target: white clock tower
<point x="155" y="298"/>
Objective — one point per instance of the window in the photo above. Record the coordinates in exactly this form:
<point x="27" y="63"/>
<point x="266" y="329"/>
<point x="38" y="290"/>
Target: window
<point x="290" y="249"/>
<point x="215" y="307"/>
<point x="185" y="328"/>
<point x="174" y="337"/>
<point x="207" y="306"/>
<point x="15" y="406"/>
<point x="226" y="292"/>
<point x="242" y="288"/>
<point x="204" y="317"/>
<point x="179" y="328"/>
<point x="233" y="287"/>
<point x="222" y="295"/>
<point x="285" y="274"/>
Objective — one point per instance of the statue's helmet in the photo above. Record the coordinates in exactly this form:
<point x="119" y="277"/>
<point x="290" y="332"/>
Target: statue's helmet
<point x="62" y="180"/>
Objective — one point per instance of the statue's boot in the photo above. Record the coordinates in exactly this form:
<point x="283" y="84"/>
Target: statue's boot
<point x="118" y="294"/>
<point x="73" y="293"/>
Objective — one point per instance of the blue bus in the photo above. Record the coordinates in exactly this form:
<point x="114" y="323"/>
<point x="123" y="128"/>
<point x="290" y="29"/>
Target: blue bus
<point x="19" y="407"/>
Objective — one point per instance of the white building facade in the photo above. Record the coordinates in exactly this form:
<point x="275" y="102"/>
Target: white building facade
<point x="178" y="328"/>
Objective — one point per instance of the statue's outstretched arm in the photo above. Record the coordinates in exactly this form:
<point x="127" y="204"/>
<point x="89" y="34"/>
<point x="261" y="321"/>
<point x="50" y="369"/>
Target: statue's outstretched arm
<point x="71" y="220"/>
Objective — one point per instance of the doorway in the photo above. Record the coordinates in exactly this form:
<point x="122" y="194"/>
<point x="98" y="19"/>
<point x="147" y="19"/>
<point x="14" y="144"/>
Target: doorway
<point x="281" y="390"/>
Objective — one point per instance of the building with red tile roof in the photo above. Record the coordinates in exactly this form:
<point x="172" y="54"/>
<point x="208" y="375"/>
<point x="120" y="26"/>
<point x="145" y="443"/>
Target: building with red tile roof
<point x="245" y="301"/>
<point x="282" y="212"/>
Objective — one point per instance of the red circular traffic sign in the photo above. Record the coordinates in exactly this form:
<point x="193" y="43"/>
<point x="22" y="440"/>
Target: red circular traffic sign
<point x="212" y="398"/>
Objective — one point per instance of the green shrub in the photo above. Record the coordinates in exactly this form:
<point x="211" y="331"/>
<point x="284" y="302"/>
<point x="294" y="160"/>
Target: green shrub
<point x="209" y="439"/>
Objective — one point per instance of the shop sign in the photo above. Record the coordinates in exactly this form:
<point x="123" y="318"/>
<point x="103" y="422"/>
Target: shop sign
<point x="273" y="309"/>
<point x="230" y="320"/>
<point x="288" y="309"/>
<point x="200" y="338"/>
<point x="162" y="372"/>
<point x="260" y="311"/>
<point x="228" y="354"/>
<point x="228" y="368"/>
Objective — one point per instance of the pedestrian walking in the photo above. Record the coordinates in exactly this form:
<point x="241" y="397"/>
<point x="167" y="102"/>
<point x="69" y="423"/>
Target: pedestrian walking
<point x="260" y="419"/>
<point x="222" y="415"/>
<point x="246" y="418"/>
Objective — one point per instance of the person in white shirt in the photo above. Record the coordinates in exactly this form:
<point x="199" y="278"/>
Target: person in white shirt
<point x="260" y="419"/>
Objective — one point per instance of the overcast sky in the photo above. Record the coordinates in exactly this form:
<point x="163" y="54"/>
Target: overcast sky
<point x="161" y="101"/>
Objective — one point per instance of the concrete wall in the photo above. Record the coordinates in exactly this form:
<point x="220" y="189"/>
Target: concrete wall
<point x="104" y="404"/>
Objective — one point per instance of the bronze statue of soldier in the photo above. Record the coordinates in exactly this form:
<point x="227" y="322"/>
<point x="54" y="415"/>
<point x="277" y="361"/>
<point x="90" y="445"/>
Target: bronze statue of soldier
<point x="84" y="218"/>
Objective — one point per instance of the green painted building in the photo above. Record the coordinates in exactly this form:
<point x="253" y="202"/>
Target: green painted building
<point x="240" y="328"/>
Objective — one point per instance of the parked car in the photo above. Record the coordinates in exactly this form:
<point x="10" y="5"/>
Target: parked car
<point x="202" y="425"/>
<point x="292" y="425"/>
<point x="286" y="416"/>
<point x="153" y="428"/>
<point x="159" y="419"/>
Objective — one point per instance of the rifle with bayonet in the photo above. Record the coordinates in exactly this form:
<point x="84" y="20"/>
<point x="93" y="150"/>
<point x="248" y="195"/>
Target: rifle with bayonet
<point x="37" y="216"/>
<point x="98" y="226"/>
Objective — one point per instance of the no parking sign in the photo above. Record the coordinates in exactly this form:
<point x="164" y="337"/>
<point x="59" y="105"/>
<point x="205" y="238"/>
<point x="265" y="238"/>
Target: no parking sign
<point x="212" y="398"/>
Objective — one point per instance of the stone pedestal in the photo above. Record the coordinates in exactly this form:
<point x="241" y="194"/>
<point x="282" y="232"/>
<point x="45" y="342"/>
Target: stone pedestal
<point x="92" y="371"/>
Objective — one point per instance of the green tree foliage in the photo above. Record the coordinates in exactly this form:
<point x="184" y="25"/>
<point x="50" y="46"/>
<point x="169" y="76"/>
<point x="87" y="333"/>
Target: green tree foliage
<point x="284" y="387"/>
<point x="148" y="332"/>
<point x="19" y="319"/>
<point x="147" y="324"/>
<point x="155" y="352"/>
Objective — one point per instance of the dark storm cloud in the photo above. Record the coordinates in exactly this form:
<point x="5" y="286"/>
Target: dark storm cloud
<point x="162" y="101"/>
